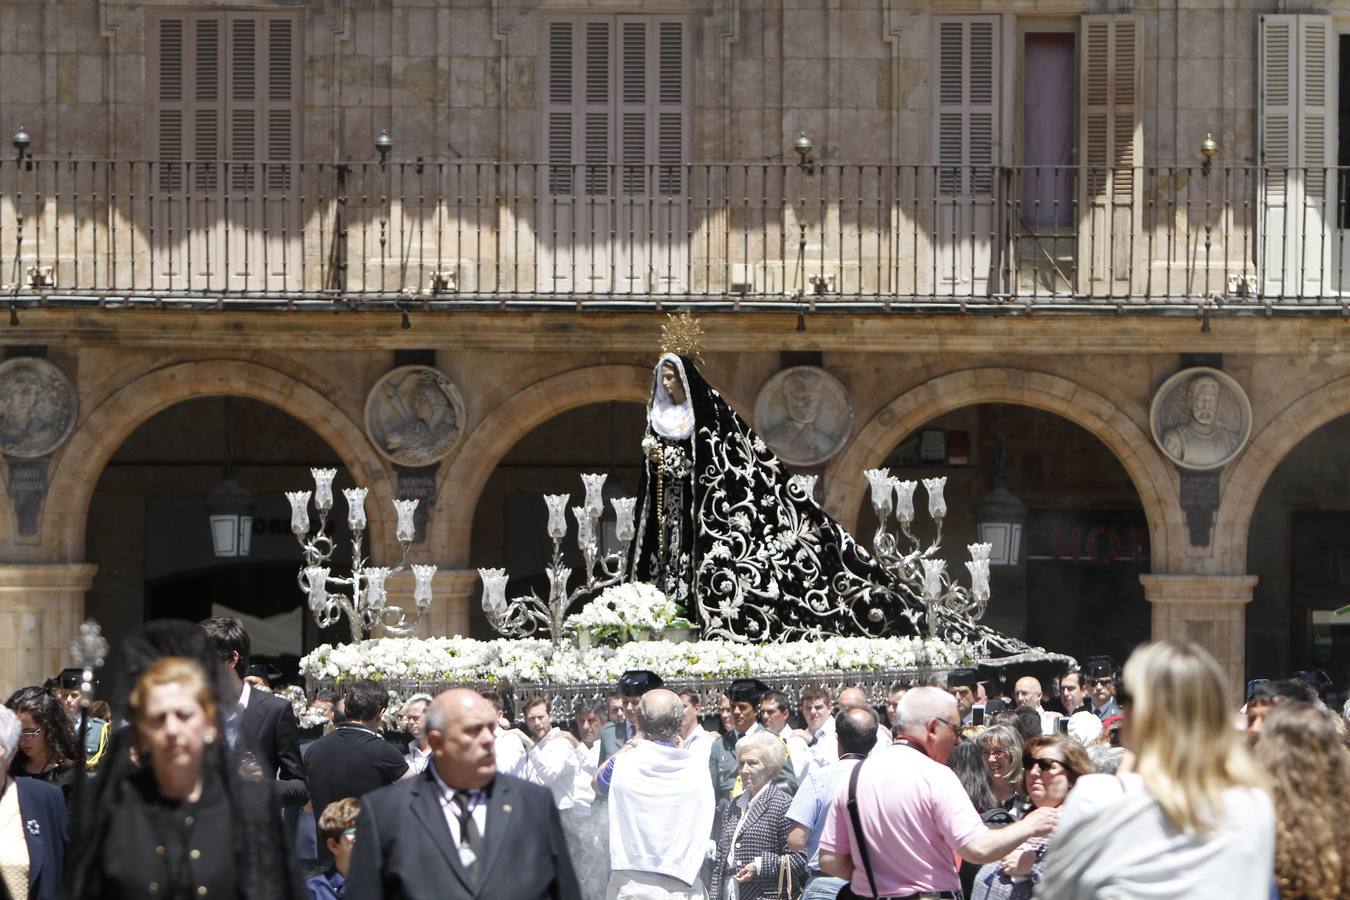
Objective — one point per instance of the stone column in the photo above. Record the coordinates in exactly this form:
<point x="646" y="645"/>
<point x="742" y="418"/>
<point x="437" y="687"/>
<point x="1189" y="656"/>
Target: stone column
<point x="452" y="590"/>
<point x="1206" y="609"/>
<point x="41" y="607"/>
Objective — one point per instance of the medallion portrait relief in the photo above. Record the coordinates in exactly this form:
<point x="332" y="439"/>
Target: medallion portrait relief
<point x="1201" y="418"/>
<point x="415" y="416"/>
<point x="805" y="414"/>
<point x="37" y="407"/>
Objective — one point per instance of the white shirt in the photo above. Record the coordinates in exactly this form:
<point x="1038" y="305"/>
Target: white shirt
<point x="798" y="752"/>
<point x="700" y="741"/>
<point x="236" y="715"/>
<point x="512" y="758"/>
<point x="477" y="807"/>
<point x="554" y="763"/>
<point x="417" y="759"/>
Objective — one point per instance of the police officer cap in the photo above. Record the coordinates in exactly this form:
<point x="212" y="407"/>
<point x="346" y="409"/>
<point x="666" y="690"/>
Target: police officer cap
<point x="636" y="682"/>
<point x="747" y="690"/>
<point x="70" y="679"/>
<point x="1100" y="667"/>
<point x="963" y="678"/>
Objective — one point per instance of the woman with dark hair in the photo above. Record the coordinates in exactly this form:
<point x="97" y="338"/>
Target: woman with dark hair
<point x="171" y="815"/>
<point x="967" y="762"/>
<point x="33" y="827"/>
<point x="1309" y="771"/>
<point x="47" y="749"/>
<point x="1051" y="765"/>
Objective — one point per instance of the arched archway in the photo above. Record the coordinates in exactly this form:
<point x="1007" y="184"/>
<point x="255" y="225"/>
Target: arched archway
<point x="504" y="427"/>
<point x="1268" y="447"/>
<point x="107" y="426"/>
<point x="1116" y="427"/>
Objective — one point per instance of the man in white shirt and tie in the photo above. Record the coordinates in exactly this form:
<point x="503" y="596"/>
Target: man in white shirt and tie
<point x="774" y="711"/>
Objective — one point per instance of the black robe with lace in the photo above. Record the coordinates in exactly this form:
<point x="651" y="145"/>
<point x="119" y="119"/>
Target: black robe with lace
<point x="723" y="531"/>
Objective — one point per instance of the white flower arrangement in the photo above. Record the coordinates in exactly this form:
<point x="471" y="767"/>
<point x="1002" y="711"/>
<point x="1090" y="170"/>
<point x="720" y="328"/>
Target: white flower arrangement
<point x="449" y="660"/>
<point x="627" y="610"/>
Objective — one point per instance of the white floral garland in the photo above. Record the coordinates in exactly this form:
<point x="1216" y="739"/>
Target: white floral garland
<point x="458" y="659"/>
<point x="626" y="608"/>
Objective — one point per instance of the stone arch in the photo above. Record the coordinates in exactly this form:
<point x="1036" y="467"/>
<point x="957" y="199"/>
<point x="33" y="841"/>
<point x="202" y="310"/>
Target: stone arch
<point x="1268" y="447"/>
<point x="506" y="425"/>
<point x="112" y="420"/>
<point x="1110" y="423"/>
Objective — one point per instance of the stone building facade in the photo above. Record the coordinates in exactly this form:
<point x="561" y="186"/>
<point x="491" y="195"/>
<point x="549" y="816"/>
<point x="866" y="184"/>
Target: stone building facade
<point x="1004" y="222"/>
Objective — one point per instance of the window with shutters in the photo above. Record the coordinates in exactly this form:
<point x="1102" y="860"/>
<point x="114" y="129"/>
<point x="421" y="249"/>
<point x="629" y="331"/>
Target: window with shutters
<point x="224" y="99"/>
<point x="616" y="105"/>
<point x="967" y="104"/>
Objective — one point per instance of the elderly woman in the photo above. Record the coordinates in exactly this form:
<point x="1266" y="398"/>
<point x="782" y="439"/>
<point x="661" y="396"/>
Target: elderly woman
<point x="47" y="748"/>
<point x="753" y="859"/>
<point x="1001" y="749"/>
<point x="183" y="824"/>
<point x="1191" y="820"/>
<point x="1052" y="765"/>
<point x="33" y="826"/>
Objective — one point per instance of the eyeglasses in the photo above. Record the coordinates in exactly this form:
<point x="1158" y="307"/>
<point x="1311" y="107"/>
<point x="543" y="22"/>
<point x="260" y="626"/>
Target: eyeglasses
<point x="32" y="733"/>
<point x="956" y="729"/>
<point x="997" y="752"/>
<point x="1045" y="765"/>
<point x="1098" y="682"/>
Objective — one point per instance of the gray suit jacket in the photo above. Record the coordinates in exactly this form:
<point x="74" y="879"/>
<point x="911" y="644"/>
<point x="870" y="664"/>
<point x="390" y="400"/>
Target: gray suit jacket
<point x="404" y="848"/>
<point x="612" y="738"/>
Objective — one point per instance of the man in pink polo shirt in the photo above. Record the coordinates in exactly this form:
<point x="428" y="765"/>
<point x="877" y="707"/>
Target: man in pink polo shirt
<point x="915" y="815"/>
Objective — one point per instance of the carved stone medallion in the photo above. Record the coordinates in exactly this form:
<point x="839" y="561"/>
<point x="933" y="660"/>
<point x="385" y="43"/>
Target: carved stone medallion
<point x="415" y="416"/>
<point x="37" y="407"/>
<point x="805" y="414"/>
<point x="1201" y="418"/>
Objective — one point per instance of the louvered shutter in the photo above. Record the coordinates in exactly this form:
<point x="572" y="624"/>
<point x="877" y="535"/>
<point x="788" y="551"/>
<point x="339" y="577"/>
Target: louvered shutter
<point x="207" y="113"/>
<point x="1297" y="154"/>
<point x="967" y="104"/>
<point x="280" y="103"/>
<point x="596" y="109"/>
<point x="560" y="112"/>
<point x="169" y="145"/>
<point x="243" y="101"/>
<point x="672" y="122"/>
<point x="1112" y="141"/>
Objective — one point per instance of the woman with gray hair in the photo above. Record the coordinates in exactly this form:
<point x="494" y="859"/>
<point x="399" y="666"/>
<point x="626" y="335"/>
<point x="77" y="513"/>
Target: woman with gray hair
<point x="33" y="826"/>
<point x="753" y="860"/>
<point x="1001" y="749"/>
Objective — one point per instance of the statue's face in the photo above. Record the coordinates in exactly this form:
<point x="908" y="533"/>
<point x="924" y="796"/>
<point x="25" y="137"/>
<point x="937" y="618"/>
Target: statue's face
<point x="670" y="380"/>
<point x="1205" y="401"/>
<point x="802" y="396"/>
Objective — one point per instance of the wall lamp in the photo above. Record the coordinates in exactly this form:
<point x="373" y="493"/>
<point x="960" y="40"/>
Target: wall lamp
<point x="22" y="141"/>
<point x="383" y="145"/>
<point x="804" y="147"/>
<point x="1209" y="148"/>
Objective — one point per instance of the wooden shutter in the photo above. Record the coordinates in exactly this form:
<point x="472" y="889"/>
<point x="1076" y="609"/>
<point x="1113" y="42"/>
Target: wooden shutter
<point x="1298" y="153"/>
<point x="1110" y="128"/>
<point x="559" y="107"/>
<point x="597" y="106"/>
<point x="224" y="86"/>
<point x="967" y="104"/>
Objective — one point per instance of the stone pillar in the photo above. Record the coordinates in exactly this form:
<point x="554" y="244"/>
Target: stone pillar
<point x="41" y="607"/>
<point x="1206" y="609"/>
<point x="452" y="591"/>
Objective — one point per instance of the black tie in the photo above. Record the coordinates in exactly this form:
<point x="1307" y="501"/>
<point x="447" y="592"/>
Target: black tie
<point x="470" y="840"/>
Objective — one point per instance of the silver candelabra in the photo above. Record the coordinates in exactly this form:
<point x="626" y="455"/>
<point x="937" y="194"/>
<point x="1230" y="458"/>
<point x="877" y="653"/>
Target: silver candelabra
<point x="915" y="567"/>
<point x="362" y="596"/>
<point x="527" y="616"/>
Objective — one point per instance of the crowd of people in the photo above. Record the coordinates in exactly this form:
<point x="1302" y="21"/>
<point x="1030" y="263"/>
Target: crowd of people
<point x="192" y="779"/>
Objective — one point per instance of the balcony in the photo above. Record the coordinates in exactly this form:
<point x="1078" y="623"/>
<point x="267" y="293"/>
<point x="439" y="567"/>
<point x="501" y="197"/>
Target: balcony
<point x="298" y="235"/>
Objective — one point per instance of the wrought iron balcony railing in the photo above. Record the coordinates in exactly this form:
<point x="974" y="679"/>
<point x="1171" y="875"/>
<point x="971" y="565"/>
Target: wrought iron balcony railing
<point x="299" y="234"/>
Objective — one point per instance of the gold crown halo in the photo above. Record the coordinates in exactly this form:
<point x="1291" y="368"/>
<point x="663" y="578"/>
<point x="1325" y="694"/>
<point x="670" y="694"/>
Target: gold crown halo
<point x="682" y="335"/>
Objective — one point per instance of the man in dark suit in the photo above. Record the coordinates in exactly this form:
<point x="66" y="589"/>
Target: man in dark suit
<point x="460" y="830"/>
<point x="261" y="727"/>
<point x="632" y="685"/>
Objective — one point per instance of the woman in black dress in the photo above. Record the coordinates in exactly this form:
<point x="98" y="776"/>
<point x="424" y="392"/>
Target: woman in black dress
<point x="172" y="817"/>
<point x="47" y="748"/>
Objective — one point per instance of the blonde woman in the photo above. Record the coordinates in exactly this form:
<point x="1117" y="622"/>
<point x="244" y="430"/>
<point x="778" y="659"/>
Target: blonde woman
<point x="1309" y="769"/>
<point x="1191" y="820"/>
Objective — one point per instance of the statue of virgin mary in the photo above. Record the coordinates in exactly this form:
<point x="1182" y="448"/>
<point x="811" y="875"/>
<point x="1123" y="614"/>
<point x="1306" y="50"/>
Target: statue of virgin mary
<point x="724" y="531"/>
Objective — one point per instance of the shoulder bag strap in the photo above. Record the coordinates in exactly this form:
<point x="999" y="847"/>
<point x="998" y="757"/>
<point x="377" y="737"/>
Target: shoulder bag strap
<point x="858" y="837"/>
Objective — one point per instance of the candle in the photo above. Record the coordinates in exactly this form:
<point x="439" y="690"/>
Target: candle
<point x="623" y="518"/>
<point x="356" y="508"/>
<point x="937" y="507"/>
<point x="299" y="512"/>
<point x="557" y="515"/>
<point x="595" y="493"/>
<point x="422" y="575"/>
<point x="323" y="488"/>
<point x="406" y="530"/>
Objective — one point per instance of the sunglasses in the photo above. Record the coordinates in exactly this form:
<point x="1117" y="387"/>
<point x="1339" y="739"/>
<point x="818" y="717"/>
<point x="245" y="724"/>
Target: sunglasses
<point x="1098" y="682"/>
<point x="1045" y="765"/>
